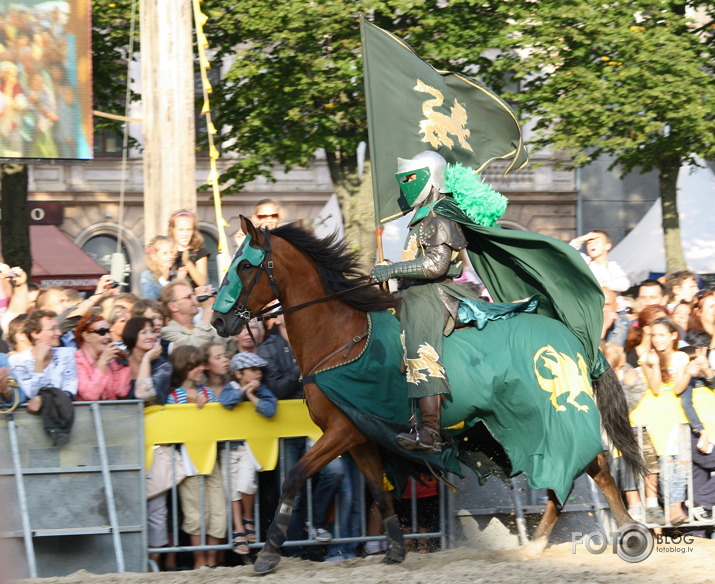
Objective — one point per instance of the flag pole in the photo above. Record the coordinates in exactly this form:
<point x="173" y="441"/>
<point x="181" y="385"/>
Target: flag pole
<point x="371" y="142"/>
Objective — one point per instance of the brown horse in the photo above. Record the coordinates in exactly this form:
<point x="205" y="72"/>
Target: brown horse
<point x="325" y="300"/>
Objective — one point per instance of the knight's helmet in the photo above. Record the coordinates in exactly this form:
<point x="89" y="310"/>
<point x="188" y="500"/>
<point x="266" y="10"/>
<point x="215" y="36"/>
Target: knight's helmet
<point x="419" y="174"/>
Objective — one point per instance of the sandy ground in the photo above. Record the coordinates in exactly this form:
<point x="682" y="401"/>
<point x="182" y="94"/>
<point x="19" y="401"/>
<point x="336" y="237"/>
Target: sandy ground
<point x="687" y="563"/>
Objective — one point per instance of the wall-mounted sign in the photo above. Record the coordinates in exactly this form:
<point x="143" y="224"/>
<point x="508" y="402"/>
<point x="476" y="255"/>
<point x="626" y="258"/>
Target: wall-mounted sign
<point x="45" y="213"/>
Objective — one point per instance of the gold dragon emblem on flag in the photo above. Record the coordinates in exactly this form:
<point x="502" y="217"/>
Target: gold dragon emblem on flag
<point x="437" y="126"/>
<point x="565" y="377"/>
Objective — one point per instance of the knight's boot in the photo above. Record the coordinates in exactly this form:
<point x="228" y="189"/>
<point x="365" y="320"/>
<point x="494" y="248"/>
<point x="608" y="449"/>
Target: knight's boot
<point x="427" y="437"/>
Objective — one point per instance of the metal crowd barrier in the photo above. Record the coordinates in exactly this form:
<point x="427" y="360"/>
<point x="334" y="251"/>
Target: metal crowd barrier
<point x="83" y="505"/>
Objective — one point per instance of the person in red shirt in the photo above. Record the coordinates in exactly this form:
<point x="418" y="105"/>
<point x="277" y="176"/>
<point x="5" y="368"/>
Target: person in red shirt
<point x="102" y="371"/>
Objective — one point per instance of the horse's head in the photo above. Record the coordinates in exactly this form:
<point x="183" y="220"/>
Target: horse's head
<point x="249" y="283"/>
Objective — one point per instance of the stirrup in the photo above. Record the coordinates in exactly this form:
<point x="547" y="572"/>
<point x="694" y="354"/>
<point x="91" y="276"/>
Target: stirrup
<point x="411" y="441"/>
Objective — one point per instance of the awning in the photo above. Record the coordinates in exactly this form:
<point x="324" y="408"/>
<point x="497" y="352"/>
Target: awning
<point x="58" y="261"/>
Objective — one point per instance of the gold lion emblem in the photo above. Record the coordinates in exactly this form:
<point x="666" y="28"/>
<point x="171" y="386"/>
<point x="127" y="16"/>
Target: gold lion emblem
<point x="426" y="361"/>
<point x="565" y="377"/>
<point x="436" y="126"/>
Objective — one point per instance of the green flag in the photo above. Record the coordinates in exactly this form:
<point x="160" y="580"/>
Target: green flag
<point x="412" y="107"/>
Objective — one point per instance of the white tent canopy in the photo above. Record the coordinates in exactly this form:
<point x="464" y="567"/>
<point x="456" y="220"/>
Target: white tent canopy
<point x="642" y="251"/>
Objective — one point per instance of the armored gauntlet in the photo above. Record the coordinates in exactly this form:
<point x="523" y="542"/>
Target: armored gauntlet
<point x="402" y="270"/>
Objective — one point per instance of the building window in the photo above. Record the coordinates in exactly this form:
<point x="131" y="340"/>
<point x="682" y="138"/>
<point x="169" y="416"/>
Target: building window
<point x="107" y="143"/>
<point x="100" y="248"/>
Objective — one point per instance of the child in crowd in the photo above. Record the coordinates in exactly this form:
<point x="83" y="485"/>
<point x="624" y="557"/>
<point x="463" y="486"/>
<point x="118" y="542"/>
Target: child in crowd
<point x="681" y="287"/>
<point x="608" y="273"/>
<point x="189" y="253"/>
<point x="247" y="368"/>
<point x="187" y="380"/>
<point x="159" y="258"/>
<point x="216" y="361"/>
<point x="666" y="369"/>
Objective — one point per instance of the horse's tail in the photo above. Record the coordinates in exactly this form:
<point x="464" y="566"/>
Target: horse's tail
<point x="614" y="414"/>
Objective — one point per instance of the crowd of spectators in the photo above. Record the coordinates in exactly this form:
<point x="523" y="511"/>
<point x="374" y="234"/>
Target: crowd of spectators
<point x="161" y="348"/>
<point x="658" y="337"/>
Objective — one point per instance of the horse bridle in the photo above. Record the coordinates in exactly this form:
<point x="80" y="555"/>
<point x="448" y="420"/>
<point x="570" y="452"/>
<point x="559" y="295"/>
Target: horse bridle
<point x="269" y="312"/>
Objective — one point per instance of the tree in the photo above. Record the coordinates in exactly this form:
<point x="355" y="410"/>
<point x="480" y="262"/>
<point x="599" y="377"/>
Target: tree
<point x="295" y="83"/>
<point x="631" y="79"/>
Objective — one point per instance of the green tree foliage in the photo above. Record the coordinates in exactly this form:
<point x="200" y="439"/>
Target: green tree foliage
<point x="630" y="79"/>
<point x="111" y="24"/>
<point x="295" y="82"/>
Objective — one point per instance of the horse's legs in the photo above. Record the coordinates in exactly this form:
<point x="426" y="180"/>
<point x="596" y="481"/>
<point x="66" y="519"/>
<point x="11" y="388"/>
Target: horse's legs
<point x="600" y="472"/>
<point x="369" y="461"/>
<point x="541" y="536"/>
<point x="339" y="435"/>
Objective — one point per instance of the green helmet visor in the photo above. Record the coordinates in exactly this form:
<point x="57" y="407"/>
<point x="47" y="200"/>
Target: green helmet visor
<point x="413" y="183"/>
<point x="231" y="287"/>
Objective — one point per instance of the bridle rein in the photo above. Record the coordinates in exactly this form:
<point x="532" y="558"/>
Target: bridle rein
<point x="269" y="312"/>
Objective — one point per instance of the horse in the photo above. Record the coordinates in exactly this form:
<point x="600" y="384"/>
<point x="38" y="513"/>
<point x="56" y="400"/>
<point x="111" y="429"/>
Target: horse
<point x="331" y="312"/>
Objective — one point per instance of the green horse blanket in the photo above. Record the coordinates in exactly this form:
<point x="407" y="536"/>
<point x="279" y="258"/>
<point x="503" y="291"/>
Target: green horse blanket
<point x="525" y="377"/>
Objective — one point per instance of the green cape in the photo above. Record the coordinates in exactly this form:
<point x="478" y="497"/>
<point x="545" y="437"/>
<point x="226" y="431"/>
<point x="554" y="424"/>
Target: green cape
<point x="518" y="264"/>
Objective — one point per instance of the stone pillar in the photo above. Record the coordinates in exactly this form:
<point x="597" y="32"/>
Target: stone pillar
<point x="167" y="110"/>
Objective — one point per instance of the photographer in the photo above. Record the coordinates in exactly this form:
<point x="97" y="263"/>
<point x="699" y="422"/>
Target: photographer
<point x="54" y="298"/>
<point x="182" y="303"/>
<point x="14" y="294"/>
<point x="102" y="369"/>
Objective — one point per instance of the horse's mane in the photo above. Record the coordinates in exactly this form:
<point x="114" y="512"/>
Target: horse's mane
<point x="338" y="268"/>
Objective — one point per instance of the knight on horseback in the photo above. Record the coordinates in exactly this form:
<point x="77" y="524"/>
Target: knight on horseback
<point x="430" y="300"/>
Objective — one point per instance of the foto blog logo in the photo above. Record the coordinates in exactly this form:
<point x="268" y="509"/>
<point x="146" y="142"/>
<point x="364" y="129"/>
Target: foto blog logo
<point x="633" y="542"/>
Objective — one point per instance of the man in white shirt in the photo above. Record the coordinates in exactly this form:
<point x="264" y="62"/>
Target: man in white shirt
<point x="608" y="273"/>
<point x="46" y="364"/>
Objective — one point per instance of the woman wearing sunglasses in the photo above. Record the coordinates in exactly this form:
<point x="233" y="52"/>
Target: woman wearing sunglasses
<point x="103" y="373"/>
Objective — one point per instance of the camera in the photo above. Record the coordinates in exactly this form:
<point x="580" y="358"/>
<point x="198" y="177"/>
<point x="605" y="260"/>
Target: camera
<point x="122" y="353"/>
<point x="205" y="297"/>
<point x="112" y="284"/>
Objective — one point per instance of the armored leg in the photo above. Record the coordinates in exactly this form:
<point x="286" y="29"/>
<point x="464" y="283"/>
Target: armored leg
<point x="428" y="436"/>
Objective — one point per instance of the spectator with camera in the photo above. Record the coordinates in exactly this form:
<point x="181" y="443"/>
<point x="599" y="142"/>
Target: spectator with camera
<point x="182" y="303"/>
<point x="54" y="299"/>
<point x="15" y="294"/>
<point x="102" y="368"/>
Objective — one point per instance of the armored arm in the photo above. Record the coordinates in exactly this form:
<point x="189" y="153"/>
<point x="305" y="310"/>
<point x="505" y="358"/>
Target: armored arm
<point x="439" y="238"/>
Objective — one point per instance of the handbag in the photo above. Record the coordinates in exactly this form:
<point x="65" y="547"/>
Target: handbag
<point x="161" y="477"/>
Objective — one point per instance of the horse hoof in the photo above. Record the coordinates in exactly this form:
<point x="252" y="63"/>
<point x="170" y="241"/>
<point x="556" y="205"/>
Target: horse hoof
<point x="395" y="554"/>
<point x="266" y="563"/>
<point x="533" y="549"/>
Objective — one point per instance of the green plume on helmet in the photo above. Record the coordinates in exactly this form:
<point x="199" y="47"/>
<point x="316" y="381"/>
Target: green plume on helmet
<point x="479" y="201"/>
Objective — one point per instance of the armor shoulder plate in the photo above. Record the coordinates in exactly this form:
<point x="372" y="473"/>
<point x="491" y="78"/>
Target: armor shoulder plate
<point x="436" y="230"/>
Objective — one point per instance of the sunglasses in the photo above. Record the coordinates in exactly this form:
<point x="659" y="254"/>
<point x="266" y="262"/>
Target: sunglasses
<point x="273" y="216"/>
<point x="100" y="331"/>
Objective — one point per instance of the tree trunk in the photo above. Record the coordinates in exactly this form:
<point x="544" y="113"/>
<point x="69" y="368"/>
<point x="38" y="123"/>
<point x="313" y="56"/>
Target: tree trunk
<point x="668" y="180"/>
<point x="356" y="204"/>
<point x="14" y="225"/>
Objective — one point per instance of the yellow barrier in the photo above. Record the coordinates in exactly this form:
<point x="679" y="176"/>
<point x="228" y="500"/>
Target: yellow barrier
<point x="660" y="413"/>
<point x="201" y="429"/>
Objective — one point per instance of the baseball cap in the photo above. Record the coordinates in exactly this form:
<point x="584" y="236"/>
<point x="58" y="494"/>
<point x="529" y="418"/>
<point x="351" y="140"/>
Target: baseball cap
<point x="245" y="359"/>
